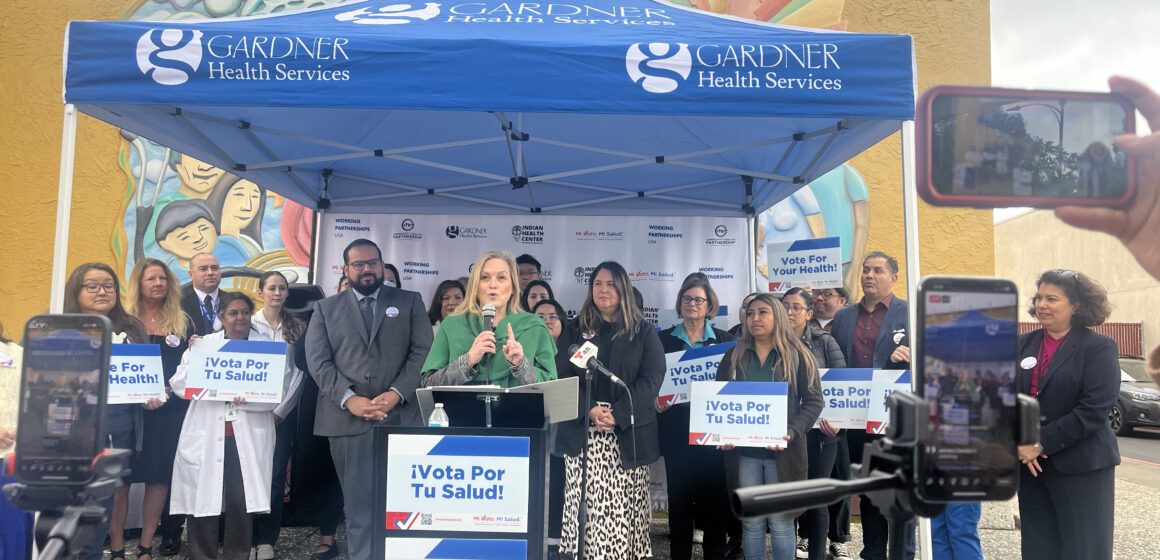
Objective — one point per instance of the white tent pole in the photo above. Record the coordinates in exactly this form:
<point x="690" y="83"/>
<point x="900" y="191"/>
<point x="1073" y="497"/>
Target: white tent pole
<point x="68" y="146"/>
<point x="910" y="213"/>
<point x="751" y="244"/>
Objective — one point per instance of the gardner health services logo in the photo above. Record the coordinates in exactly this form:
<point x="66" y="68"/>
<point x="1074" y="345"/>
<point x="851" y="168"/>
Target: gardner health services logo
<point x="392" y="14"/>
<point x="658" y="67"/>
<point x="169" y="56"/>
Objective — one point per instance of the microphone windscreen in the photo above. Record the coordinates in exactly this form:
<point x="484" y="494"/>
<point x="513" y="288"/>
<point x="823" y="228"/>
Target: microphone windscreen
<point x="573" y="348"/>
<point x="488" y="313"/>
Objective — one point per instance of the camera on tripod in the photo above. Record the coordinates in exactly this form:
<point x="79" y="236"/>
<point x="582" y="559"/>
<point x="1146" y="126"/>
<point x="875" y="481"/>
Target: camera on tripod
<point x="65" y="472"/>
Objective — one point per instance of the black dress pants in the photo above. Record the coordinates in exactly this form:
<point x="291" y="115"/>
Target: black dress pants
<point x="1067" y="516"/>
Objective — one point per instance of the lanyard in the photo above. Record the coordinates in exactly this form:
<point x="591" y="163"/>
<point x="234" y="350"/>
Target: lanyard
<point x="207" y="311"/>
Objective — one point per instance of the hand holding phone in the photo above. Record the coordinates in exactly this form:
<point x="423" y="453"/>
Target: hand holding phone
<point x="1136" y="225"/>
<point x="993" y="148"/>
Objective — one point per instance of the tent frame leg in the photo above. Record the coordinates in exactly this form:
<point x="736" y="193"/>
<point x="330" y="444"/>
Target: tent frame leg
<point x="63" y="209"/>
<point x="913" y="276"/>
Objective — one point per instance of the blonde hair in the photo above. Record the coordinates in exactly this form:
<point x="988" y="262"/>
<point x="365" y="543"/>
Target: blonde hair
<point x="173" y="319"/>
<point x="789" y="346"/>
<point x="470" y="304"/>
<point x="628" y="316"/>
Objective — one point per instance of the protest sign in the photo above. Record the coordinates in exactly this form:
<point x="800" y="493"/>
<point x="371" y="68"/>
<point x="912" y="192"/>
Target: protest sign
<point x="221" y="369"/>
<point x="816" y="263"/>
<point x="460" y="549"/>
<point x="846" y="392"/>
<point x="457" y="483"/>
<point x="687" y="367"/>
<point x="742" y="413"/>
<point x="135" y="373"/>
<point x="885" y="382"/>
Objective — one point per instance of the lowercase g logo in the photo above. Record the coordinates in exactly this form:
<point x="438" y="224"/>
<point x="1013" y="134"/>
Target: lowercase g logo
<point x="169" y="56"/>
<point x="658" y="67"/>
<point x="393" y="14"/>
<point x="452" y="231"/>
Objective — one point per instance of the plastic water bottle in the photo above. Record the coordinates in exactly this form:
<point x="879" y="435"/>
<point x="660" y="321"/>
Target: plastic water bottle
<point x="438" y="418"/>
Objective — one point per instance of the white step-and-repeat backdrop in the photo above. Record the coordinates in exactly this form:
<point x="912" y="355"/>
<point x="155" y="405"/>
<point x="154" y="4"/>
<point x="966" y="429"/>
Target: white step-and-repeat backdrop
<point x="657" y="252"/>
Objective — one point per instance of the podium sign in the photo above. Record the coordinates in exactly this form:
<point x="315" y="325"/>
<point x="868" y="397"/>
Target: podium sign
<point x="457" y="483"/>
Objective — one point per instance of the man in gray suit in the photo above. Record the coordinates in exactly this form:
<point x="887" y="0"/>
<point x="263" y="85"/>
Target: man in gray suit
<point x="365" y="347"/>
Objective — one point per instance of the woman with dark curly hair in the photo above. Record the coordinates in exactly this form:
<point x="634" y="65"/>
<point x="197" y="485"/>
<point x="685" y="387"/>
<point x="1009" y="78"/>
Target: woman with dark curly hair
<point x="1067" y="487"/>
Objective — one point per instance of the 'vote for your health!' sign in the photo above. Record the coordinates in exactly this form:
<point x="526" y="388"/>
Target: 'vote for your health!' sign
<point x="816" y="263"/>
<point x="742" y="413"/>
<point x="220" y="370"/>
<point x="688" y="367"/>
<point x="135" y="373"/>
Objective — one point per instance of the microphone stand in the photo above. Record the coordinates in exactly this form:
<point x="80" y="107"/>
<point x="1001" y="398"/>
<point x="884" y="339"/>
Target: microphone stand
<point x="582" y="510"/>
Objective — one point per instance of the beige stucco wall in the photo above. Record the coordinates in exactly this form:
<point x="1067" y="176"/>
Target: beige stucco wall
<point x="952" y="42"/>
<point x="1028" y="244"/>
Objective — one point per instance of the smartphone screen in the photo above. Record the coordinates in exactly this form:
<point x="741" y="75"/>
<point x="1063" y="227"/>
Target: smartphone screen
<point x="61" y="396"/>
<point x="969" y="340"/>
<point x="1028" y="148"/>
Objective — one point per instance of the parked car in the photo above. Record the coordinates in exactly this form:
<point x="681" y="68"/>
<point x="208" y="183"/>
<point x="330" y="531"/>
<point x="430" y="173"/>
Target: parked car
<point x="1139" y="401"/>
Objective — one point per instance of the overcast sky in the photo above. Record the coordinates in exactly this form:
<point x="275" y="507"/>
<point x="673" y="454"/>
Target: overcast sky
<point x="1073" y="45"/>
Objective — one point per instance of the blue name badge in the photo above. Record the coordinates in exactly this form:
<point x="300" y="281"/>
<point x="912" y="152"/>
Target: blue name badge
<point x="220" y="370"/>
<point x="741" y="413"/>
<point x="135" y="373"/>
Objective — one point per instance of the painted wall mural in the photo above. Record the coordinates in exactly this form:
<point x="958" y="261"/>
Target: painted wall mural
<point x="175" y="206"/>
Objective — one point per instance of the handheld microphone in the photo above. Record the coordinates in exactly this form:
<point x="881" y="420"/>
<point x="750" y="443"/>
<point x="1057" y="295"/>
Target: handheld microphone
<point x="488" y="312"/>
<point x="585" y="357"/>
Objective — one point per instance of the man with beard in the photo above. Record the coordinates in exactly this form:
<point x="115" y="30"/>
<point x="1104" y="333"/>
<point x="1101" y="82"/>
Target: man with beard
<point x="364" y="347"/>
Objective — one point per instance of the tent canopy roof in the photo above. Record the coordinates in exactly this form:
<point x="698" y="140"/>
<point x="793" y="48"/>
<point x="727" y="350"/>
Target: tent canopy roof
<point x="624" y="107"/>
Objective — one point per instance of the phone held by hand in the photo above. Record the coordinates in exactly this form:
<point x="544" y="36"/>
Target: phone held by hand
<point x="968" y="340"/>
<point x="63" y="388"/>
<point x="994" y="148"/>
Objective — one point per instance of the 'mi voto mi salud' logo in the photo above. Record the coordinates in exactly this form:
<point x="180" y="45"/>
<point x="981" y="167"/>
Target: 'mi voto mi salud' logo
<point x="169" y="56"/>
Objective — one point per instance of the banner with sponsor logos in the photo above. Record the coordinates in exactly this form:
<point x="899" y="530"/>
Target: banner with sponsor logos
<point x="457" y="483"/>
<point x="657" y="252"/>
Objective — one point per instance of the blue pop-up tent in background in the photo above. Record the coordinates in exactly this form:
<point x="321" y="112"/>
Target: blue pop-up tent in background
<point x="624" y="107"/>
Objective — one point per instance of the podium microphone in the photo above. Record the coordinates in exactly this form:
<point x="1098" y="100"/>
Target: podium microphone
<point x="585" y="357"/>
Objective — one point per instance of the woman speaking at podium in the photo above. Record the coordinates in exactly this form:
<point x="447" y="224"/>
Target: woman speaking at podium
<point x="465" y="348"/>
<point x="621" y="422"/>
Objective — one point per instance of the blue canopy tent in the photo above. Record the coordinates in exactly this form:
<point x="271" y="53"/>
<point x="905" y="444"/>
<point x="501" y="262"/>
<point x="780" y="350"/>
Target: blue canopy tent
<point x="626" y="107"/>
<point x="965" y="339"/>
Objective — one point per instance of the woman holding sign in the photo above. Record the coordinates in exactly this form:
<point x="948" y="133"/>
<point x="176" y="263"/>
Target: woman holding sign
<point x="94" y="288"/>
<point x="465" y="350"/>
<point x="694" y="474"/>
<point x="226" y="449"/>
<point x="822" y="442"/>
<point x="770" y="350"/>
<point x="621" y="421"/>
<point x="153" y="295"/>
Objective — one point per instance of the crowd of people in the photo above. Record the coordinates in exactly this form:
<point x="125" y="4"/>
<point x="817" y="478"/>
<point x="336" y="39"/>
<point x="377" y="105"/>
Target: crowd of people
<point x="218" y="468"/>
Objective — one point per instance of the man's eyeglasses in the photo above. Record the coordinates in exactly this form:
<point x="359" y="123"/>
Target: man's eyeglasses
<point x="93" y="288"/>
<point x="823" y="295"/>
<point x="363" y="265"/>
<point x="697" y="301"/>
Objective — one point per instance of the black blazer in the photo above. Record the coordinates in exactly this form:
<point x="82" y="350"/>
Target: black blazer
<point x="1076" y="395"/>
<point x="641" y="364"/>
<point x="192" y="307"/>
<point x="842" y="329"/>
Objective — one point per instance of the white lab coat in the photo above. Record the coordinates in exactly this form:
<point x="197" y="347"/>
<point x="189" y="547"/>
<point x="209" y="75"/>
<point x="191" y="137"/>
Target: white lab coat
<point x="198" y="468"/>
